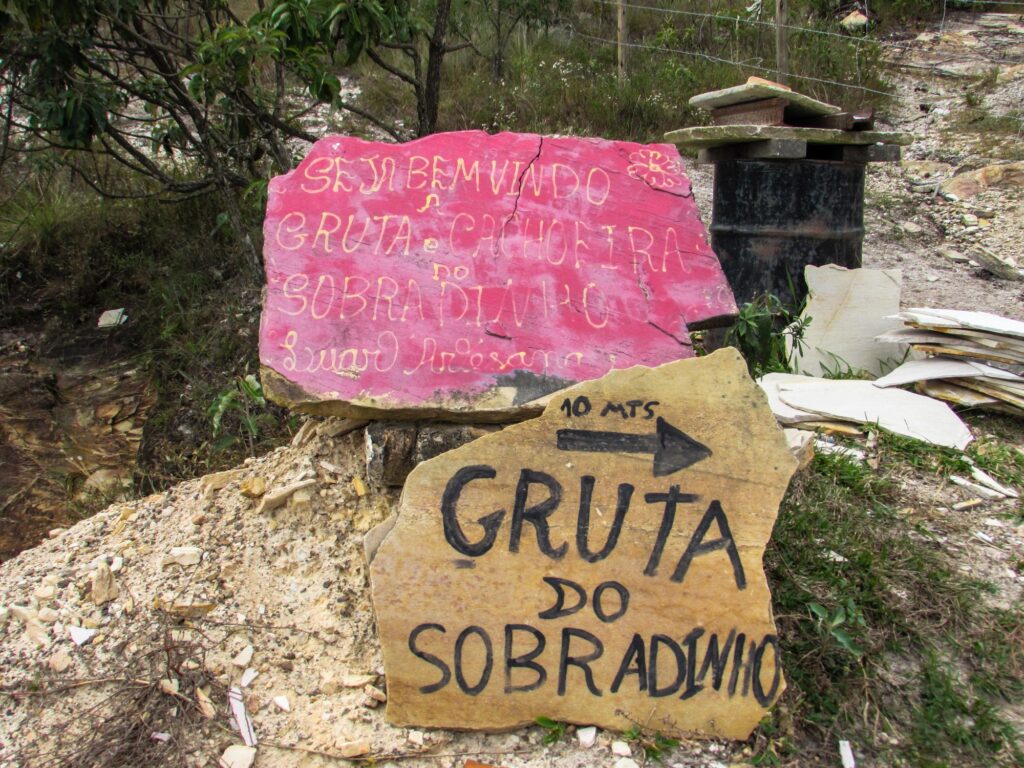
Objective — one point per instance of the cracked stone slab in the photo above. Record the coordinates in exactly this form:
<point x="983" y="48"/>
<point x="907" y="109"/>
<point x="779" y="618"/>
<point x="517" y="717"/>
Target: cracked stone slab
<point x="468" y="276"/>
<point x="600" y="564"/>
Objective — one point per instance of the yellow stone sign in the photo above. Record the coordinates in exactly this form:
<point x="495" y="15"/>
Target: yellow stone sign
<point x="599" y="564"/>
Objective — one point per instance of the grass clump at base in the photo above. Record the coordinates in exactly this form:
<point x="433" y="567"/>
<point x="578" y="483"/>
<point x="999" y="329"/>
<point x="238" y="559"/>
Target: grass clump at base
<point x="885" y="642"/>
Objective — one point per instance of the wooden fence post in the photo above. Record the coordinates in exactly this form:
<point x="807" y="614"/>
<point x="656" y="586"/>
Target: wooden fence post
<point x="621" y="47"/>
<point x="781" y="41"/>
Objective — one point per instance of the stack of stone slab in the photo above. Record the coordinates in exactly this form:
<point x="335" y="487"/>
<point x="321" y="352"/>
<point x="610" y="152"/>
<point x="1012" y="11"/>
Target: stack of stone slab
<point x="763" y="120"/>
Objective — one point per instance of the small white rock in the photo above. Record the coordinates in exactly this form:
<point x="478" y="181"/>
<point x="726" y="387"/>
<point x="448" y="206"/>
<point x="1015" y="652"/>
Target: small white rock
<point x="248" y="676"/>
<point x="80" y="635"/>
<point x="45" y="592"/>
<point x="238" y="756"/>
<point x="587" y="737"/>
<point x="625" y="762"/>
<point x="48" y="615"/>
<point x="183" y="556"/>
<point x="621" y="749"/>
<point x="60" y="661"/>
<point x="282" y="703"/>
<point x="243" y="657"/>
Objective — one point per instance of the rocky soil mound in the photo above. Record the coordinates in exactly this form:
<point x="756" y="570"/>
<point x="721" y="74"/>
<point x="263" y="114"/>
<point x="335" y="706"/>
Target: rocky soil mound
<point x="123" y="635"/>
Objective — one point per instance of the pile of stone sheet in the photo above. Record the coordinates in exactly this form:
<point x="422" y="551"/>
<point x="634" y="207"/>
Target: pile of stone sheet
<point x="844" y="405"/>
<point x="974" y="359"/>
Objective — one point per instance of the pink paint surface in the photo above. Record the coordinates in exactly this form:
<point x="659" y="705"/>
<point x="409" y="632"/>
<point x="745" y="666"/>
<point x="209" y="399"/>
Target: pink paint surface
<point x="414" y="272"/>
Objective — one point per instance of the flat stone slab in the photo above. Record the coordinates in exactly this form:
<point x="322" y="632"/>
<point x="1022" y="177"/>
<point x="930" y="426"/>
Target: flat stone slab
<point x="797" y="103"/>
<point x="706" y="136"/>
<point x="465" y="275"/>
<point x="599" y="565"/>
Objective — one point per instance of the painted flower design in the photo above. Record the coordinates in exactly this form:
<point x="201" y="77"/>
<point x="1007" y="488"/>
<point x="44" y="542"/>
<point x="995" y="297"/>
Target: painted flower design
<point x="655" y="168"/>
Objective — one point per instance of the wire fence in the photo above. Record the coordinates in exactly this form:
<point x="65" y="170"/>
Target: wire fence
<point x="899" y="47"/>
<point x="720" y="60"/>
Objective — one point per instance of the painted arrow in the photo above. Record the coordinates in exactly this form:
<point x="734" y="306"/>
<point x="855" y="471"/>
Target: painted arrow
<point x="673" y="449"/>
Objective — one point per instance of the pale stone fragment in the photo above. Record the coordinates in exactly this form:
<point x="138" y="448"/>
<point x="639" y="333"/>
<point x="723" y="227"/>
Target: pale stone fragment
<point x="80" y="635"/>
<point x="353" y="748"/>
<point x="48" y="615"/>
<point x="253" y="487"/>
<point x="586" y="737"/>
<point x="282" y="703"/>
<point x="621" y="749"/>
<point x="59" y="661"/>
<point x="238" y="756"/>
<point x="847" y="309"/>
<point x="183" y="556"/>
<point x="537" y="570"/>
<point x="277" y="497"/>
<point x="243" y="657"/>
<point x="861" y="402"/>
<point x="205" y="705"/>
<point x="103" y="587"/>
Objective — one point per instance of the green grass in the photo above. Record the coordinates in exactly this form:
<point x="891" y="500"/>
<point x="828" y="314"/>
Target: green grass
<point x="193" y="306"/>
<point x="938" y="665"/>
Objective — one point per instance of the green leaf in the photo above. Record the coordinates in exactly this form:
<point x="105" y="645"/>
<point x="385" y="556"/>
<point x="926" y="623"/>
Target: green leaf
<point x="818" y="610"/>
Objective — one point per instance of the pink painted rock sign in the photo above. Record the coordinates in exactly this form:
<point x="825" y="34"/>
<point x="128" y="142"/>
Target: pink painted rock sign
<point x="469" y="274"/>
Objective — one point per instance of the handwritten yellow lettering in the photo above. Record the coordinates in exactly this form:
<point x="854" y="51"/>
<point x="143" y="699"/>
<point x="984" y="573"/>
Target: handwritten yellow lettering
<point x="381" y="296"/>
<point x="569" y="176"/>
<point x="385" y="173"/>
<point x="328" y="280"/>
<point x="471" y="174"/>
<point x="342" y="176"/>
<point x="404" y="234"/>
<point x="418" y="167"/>
<point x="586" y="306"/>
<point x="299" y="237"/>
<point x="326" y="233"/>
<point x="599" y="186"/>
<point x="348" y="294"/>
<point x="288" y="288"/>
<point x="640" y="251"/>
<point x="318" y="170"/>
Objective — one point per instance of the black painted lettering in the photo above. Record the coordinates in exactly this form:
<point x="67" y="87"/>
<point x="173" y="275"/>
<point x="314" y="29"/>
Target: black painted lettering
<point x="649" y="409"/>
<point x="598" y="601"/>
<point x="485" y="673"/>
<point x="633" y="405"/>
<point x="567" y="660"/>
<point x="536" y="514"/>
<point x="737" y="663"/>
<point x="446" y="673"/>
<point x="698" y="546"/>
<point x="524" y="660"/>
<point x="715" y="659"/>
<point x="634" y="662"/>
<point x="690" y="641"/>
<point x="765" y="698"/>
<point x="578" y="407"/>
<point x="610" y="407"/>
<point x="453" y="532"/>
<point x="668" y="518"/>
<point x="558" y="610"/>
<point x="583" y="520"/>
<point x="653" y="689"/>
